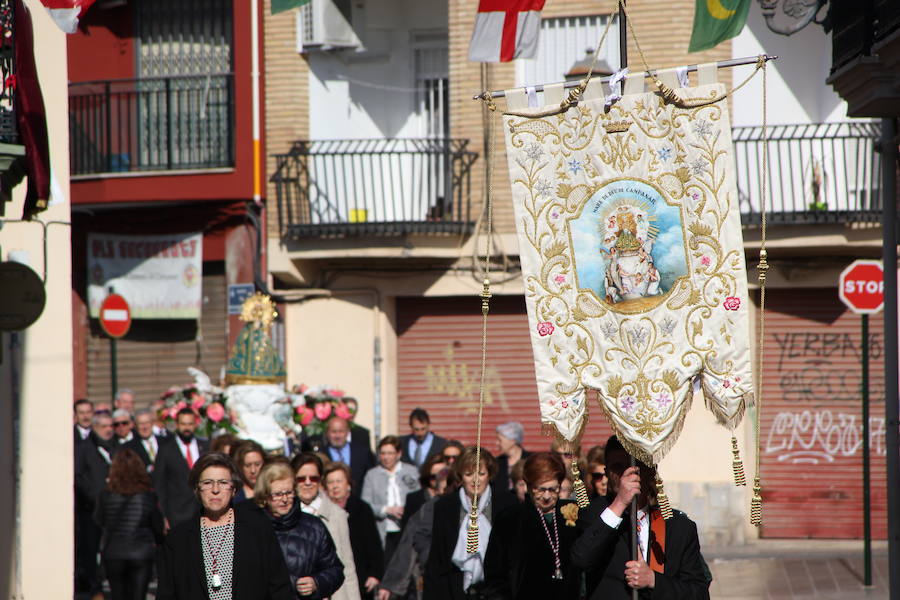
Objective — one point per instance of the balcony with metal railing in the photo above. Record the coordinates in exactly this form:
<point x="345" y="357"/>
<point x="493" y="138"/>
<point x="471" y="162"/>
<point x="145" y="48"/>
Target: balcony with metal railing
<point x="374" y="187"/>
<point x="182" y="122"/>
<point x="815" y="173"/>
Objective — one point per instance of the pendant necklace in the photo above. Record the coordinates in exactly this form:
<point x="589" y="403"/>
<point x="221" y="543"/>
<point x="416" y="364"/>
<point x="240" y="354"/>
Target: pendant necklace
<point x="216" y="579"/>
<point x="554" y="543"/>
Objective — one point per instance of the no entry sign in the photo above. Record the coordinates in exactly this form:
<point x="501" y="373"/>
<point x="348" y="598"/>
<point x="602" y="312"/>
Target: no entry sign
<point x="862" y="286"/>
<point x="115" y="316"/>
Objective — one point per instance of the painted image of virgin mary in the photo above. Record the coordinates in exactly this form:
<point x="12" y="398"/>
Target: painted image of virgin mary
<point x="630" y="271"/>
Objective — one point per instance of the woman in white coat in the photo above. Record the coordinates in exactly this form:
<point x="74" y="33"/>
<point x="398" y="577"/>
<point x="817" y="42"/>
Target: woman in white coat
<point x="385" y="488"/>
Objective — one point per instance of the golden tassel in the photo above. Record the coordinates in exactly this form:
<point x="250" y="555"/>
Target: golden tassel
<point x="472" y="533"/>
<point x="736" y="464"/>
<point x="756" y="504"/>
<point x="581" y="495"/>
<point x="668" y="94"/>
<point x="662" y="499"/>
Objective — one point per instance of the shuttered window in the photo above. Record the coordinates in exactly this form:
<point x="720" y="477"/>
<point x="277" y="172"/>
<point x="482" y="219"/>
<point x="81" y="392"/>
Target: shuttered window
<point x="811" y="430"/>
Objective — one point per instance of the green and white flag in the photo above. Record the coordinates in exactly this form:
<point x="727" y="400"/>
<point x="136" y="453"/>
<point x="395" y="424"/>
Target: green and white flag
<point x="716" y="21"/>
<point x="283" y="5"/>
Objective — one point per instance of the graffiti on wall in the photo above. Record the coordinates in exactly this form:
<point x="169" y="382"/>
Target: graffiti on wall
<point x="821" y="436"/>
<point x="460" y="380"/>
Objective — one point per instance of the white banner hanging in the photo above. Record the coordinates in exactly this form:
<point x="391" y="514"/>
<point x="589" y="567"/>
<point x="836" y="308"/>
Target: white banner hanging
<point x="159" y="275"/>
<point x="633" y="262"/>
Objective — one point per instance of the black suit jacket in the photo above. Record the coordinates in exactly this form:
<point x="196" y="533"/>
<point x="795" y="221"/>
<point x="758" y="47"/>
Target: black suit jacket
<point x="316" y="443"/>
<point x="361" y="460"/>
<point x="136" y="445"/>
<point x="365" y="541"/>
<point x="437" y="446"/>
<point x="414" y="501"/>
<point x="170" y="478"/>
<point x="443" y="579"/>
<point x="258" y="570"/>
<point x="91" y="470"/>
<point x="602" y="552"/>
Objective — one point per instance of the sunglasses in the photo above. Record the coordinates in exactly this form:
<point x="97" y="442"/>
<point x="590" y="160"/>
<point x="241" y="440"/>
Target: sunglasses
<point x="309" y="478"/>
<point x="121" y="423"/>
<point x="598" y="475"/>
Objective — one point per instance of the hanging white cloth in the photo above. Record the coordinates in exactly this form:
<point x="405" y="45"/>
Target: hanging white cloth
<point x="472" y="565"/>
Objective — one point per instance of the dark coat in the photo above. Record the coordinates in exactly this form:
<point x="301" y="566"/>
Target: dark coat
<point x="258" y="570"/>
<point x="414" y="501"/>
<point x="443" y="579"/>
<point x="132" y="525"/>
<point x="170" y="479"/>
<point x="501" y="481"/>
<point x="308" y="550"/>
<point x="368" y="555"/>
<point x="361" y="460"/>
<point x="138" y="447"/>
<point x="602" y="552"/>
<point x="91" y="471"/>
<point x="316" y="443"/>
<point x="520" y="563"/>
<point x="437" y="446"/>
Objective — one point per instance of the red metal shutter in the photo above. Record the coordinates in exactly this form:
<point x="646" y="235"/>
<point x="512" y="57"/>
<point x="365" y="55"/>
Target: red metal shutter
<point x="439" y="363"/>
<point x="811" y="429"/>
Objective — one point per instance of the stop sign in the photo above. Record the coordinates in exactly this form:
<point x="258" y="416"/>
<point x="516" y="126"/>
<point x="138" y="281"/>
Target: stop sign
<point x="115" y="316"/>
<point x="862" y="286"/>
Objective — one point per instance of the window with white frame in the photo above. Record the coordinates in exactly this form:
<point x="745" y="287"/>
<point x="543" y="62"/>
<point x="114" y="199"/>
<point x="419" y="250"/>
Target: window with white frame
<point x="432" y="77"/>
<point x="566" y="41"/>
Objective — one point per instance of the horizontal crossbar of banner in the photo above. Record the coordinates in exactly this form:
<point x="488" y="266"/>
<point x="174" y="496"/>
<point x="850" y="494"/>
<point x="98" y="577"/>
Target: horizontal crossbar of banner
<point x="722" y="64"/>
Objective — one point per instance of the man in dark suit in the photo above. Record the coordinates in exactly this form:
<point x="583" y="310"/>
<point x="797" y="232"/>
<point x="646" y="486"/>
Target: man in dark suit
<point x="669" y="564"/>
<point x="92" y="458"/>
<point x="84" y="412"/>
<point x="145" y="443"/>
<point x="172" y="466"/>
<point x="354" y="453"/>
<point x="422" y="443"/>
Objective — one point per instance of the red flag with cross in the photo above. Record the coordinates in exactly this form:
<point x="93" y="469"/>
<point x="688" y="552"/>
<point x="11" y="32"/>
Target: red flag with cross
<point x="506" y="29"/>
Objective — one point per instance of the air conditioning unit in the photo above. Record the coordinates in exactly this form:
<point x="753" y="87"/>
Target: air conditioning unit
<point x="326" y="25"/>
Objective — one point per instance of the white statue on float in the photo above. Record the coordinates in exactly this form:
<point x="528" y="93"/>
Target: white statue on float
<point x="262" y="408"/>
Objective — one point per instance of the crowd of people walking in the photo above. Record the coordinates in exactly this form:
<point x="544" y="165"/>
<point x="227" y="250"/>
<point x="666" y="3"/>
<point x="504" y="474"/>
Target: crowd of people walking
<point x="328" y="518"/>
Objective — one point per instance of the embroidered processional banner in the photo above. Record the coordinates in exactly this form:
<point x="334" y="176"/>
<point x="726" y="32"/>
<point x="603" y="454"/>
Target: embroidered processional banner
<point x="632" y="258"/>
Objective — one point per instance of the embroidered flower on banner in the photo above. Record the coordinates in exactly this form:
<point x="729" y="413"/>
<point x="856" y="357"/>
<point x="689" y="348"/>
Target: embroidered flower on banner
<point x="575" y="166"/>
<point x="726" y="384"/>
<point x="731" y="303"/>
<point x="705" y="261"/>
<point x="699" y="166"/>
<point x="702" y="127"/>
<point x="667" y="326"/>
<point x="544" y="188"/>
<point x="664" y="153"/>
<point x="638" y="336"/>
<point x="534" y="151"/>
<point x="560" y="279"/>
<point x="545" y="328"/>
<point x="628" y="403"/>
<point x="609" y="330"/>
<point x="662" y="399"/>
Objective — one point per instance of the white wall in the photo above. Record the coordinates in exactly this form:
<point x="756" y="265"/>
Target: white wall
<point x="796" y="81"/>
<point x="369" y="94"/>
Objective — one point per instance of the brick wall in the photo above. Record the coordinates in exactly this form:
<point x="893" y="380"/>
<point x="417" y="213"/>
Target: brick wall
<point x="286" y="96"/>
<point x="663" y="28"/>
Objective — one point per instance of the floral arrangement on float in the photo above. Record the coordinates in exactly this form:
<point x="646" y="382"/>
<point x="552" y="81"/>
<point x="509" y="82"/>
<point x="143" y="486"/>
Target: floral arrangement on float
<point x="208" y="402"/>
<point x="313" y="406"/>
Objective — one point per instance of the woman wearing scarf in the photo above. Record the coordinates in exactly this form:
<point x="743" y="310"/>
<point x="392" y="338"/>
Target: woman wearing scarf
<point x="451" y="573"/>
<point x="529" y="551"/>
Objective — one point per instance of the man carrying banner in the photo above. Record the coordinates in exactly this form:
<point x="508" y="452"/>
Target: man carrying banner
<point x="675" y="568"/>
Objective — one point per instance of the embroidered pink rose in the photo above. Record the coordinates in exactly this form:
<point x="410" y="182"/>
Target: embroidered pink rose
<point x="731" y="303"/>
<point x="565" y="404"/>
<point x="545" y="328"/>
<point x="560" y="279"/>
<point x="342" y="411"/>
<point x="215" y="412"/>
<point x="322" y="410"/>
<point x="306" y="415"/>
<point x="705" y="261"/>
<point x="726" y="384"/>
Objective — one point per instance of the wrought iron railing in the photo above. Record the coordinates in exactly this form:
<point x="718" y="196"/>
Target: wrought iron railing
<point x="152" y="124"/>
<point x="374" y="187"/>
<point x="816" y="173"/>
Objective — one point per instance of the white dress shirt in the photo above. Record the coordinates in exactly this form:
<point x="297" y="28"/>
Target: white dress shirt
<point x="614" y="521"/>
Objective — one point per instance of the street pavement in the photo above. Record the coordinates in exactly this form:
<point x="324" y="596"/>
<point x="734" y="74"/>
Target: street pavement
<point x="797" y="570"/>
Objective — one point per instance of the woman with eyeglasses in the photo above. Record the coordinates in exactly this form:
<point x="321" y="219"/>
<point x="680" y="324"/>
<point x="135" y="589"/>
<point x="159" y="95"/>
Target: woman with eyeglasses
<point x="596" y="471"/>
<point x="222" y="553"/>
<point x="308" y="468"/>
<point x="312" y="562"/>
<point x="528" y="553"/>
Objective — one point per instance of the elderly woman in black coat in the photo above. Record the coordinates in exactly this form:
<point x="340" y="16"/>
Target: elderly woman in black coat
<point x="529" y="551"/>
<point x="315" y="570"/>
<point x="224" y="552"/>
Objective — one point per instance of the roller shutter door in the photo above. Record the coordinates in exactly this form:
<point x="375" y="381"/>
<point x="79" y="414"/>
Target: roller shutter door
<point x="811" y="430"/>
<point x="156" y="353"/>
<point x="439" y="362"/>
